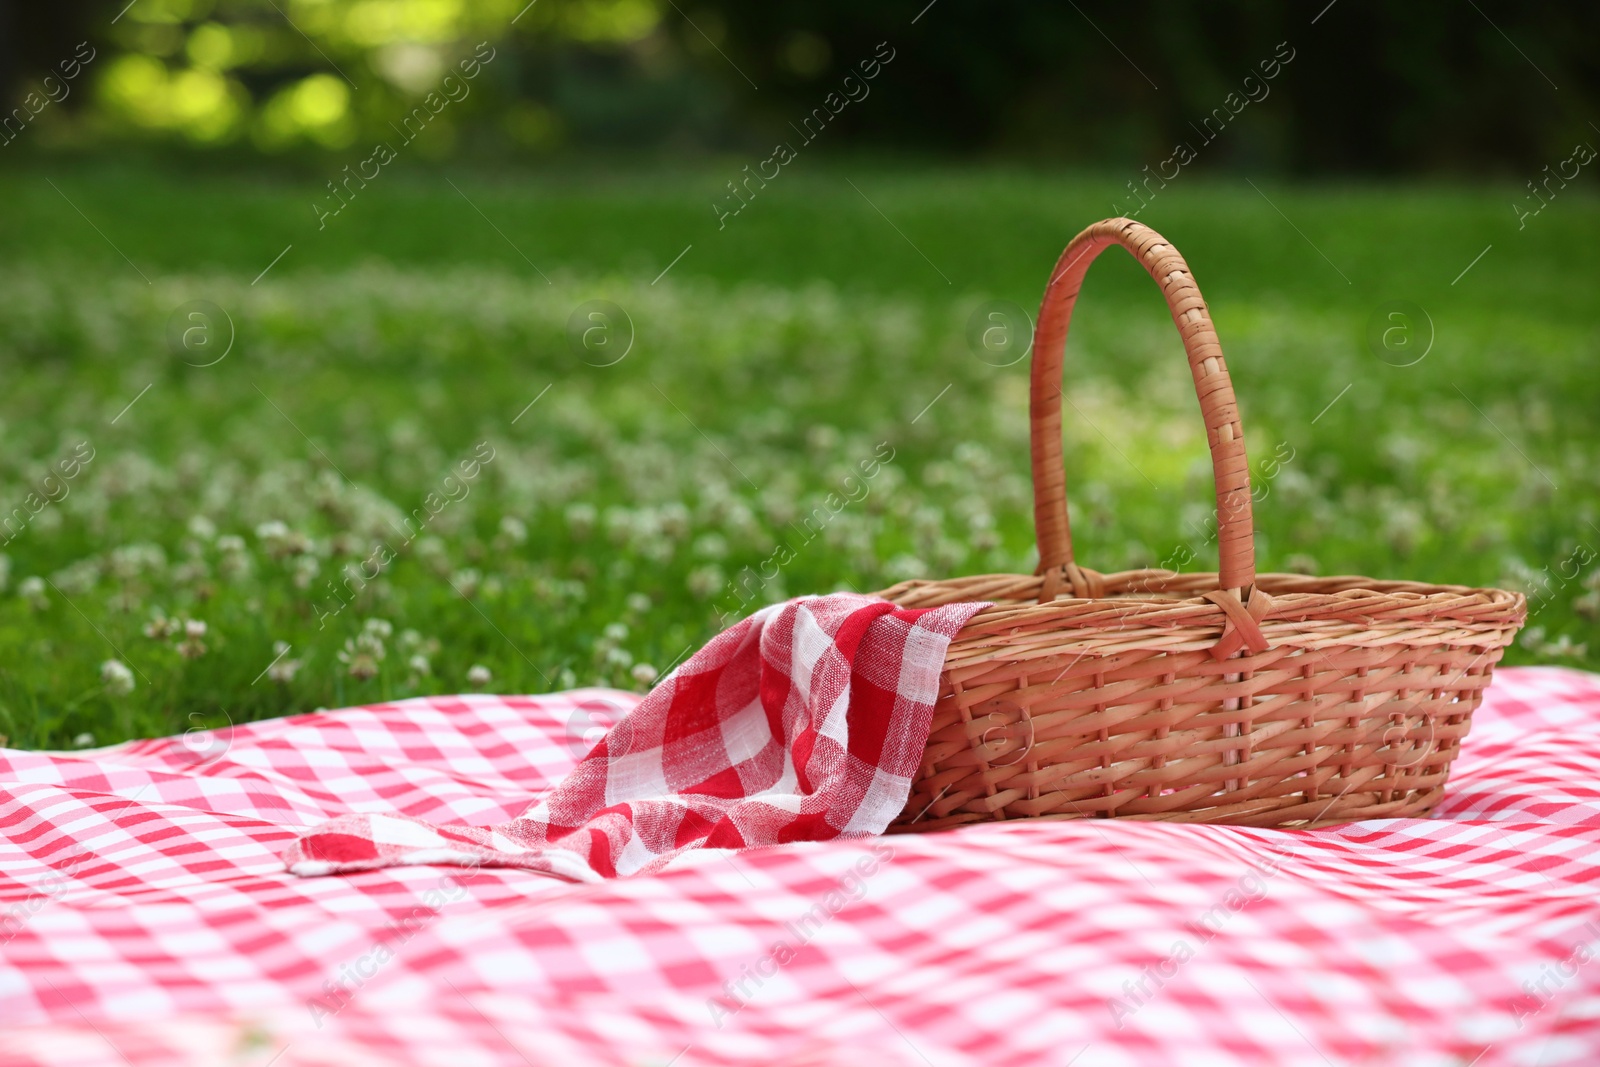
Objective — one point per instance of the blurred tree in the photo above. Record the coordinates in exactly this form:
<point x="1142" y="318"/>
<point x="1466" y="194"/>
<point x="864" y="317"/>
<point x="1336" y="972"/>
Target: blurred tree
<point x="1439" y="85"/>
<point x="276" y="75"/>
<point x="287" y="72"/>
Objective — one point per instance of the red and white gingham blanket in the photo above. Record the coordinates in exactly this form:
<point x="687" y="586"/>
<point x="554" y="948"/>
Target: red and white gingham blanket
<point x="803" y="722"/>
<point x="146" y="917"/>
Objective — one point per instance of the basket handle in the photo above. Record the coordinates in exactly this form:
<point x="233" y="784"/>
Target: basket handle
<point x="1230" y="467"/>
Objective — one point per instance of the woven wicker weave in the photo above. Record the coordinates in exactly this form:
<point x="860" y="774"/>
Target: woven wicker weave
<point x="1266" y="700"/>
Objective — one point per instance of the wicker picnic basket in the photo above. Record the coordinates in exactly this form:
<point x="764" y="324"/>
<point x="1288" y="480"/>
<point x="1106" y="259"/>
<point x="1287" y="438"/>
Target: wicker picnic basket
<point x="1264" y="700"/>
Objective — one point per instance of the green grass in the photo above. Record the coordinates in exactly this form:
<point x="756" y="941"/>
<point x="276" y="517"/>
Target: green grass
<point x="808" y="336"/>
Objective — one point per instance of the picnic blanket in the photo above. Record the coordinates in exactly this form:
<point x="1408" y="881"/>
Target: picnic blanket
<point x="146" y="916"/>
<point x="802" y="722"/>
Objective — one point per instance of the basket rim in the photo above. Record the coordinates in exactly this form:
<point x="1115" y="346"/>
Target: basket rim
<point x="1014" y="597"/>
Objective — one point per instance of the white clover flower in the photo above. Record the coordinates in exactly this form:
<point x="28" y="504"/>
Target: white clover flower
<point x="32" y="589"/>
<point x="236" y="562"/>
<point x="194" y="628"/>
<point x="1404" y="525"/>
<point x="190" y="572"/>
<point x="306" y="568"/>
<point x="710" y="546"/>
<point x="361" y="656"/>
<point x="619" y="657"/>
<point x="903" y="566"/>
<point x="643" y="673"/>
<point x="616" y="631"/>
<point x="378" y="627"/>
<point x="478" y="676"/>
<point x="282" y="670"/>
<point x="581" y="519"/>
<point x="1563" y="647"/>
<point x="514" y="529"/>
<point x="160" y="627"/>
<point x="79" y="578"/>
<point x="129" y="561"/>
<point x="126" y="601"/>
<point x="638" y="603"/>
<point x="822" y="438"/>
<point x="467" y="581"/>
<point x="674" y="519"/>
<point x="281" y="542"/>
<point x="779" y="507"/>
<point x="706" y="581"/>
<point x="117" y="677"/>
<point x="83" y="740"/>
<point x="947" y="554"/>
<point x="419" y="664"/>
<point x="741" y="521"/>
<point x="202" y="527"/>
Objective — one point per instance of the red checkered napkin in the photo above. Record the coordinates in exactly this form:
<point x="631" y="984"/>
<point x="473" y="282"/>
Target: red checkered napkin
<point x="804" y="722"/>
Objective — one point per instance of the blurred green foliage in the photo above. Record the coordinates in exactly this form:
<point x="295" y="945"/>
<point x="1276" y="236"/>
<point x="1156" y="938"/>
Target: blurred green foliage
<point x="278" y="75"/>
<point x="1433" y="86"/>
<point x="213" y="73"/>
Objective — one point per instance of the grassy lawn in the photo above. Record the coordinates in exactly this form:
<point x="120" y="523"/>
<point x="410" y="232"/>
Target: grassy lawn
<point x="372" y="416"/>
